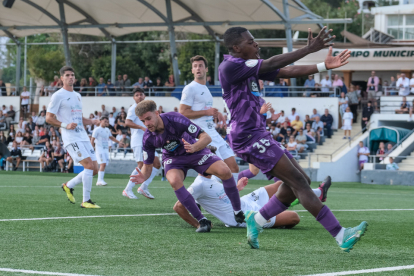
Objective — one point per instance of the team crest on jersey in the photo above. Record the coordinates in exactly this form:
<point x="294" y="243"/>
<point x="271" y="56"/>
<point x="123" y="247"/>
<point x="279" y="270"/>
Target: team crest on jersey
<point x="192" y="128"/>
<point x="79" y="154"/>
<point x="251" y="62"/>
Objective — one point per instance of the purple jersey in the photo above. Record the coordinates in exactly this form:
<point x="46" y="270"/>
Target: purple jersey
<point x="176" y="127"/>
<point x="239" y="79"/>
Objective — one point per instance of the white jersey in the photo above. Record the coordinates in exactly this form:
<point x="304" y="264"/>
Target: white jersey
<point x="101" y="135"/>
<point x="199" y="97"/>
<point x="67" y="106"/>
<point x="136" y="134"/>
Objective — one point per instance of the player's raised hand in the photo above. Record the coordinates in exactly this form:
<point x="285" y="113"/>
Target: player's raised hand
<point x="321" y="41"/>
<point x="137" y="178"/>
<point x="265" y="108"/>
<point x="212" y="112"/>
<point x="71" y="126"/>
<point x="96" y="122"/>
<point x="242" y="183"/>
<point x="332" y="62"/>
<point x="188" y="147"/>
<point x="276" y="116"/>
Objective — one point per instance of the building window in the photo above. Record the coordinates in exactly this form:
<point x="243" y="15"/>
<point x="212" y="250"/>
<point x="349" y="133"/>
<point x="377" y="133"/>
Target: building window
<point x="401" y="26"/>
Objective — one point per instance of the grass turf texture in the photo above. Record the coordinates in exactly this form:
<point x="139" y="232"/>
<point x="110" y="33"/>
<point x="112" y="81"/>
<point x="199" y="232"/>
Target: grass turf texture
<point x="166" y="245"/>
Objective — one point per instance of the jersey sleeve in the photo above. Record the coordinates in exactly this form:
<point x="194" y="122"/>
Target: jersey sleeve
<point x="148" y="151"/>
<point x="269" y="76"/>
<point x="95" y="133"/>
<point x="235" y="72"/>
<point x="187" y="96"/>
<point x="131" y="114"/>
<point x="54" y="104"/>
<point x="192" y="129"/>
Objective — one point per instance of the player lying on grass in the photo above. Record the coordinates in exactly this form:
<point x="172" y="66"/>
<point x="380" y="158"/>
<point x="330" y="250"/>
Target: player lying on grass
<point x="177" y="135"/>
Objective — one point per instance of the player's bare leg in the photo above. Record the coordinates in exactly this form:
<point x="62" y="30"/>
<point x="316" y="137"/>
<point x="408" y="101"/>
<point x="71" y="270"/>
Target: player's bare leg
<point x="234" y="168"/>
<point x="143" y="189"/>
<point x="222" y="171"/>
<point x="176" y="179"/>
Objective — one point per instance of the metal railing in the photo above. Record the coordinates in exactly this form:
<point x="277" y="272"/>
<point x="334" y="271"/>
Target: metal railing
<point x="375" y="159"/>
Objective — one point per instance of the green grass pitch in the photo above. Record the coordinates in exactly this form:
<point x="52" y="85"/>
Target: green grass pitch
<point x="166" y="245"/>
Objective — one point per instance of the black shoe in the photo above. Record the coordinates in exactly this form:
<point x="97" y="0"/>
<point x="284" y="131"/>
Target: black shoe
<point x="239" y="217"/>
<point x="324" y="186"/>
<point x="205" y="226"/>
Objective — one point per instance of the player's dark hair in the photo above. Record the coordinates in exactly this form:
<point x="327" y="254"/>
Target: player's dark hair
<point x="104" y="118"/>
<point x="212" y="149"/>
<point x="233" y="37"/>
<point x="64" y="69"/>
<point x="198" y="58"/>
<point x="138" y="90"/>
<point x="144" y="107"/>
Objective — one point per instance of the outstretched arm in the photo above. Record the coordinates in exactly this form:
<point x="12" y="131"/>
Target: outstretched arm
<point x="185" y="215"/>
<point x="142" y="174"/>
<point x="314" y="45"/>
<point x="87" y="121"/>
<point x="203" y="140"/>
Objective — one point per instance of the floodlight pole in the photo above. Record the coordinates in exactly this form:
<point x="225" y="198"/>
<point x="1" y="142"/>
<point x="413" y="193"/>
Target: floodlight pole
<point x="216" y="61"/>
<point x="64" y="31"/>
<point x="174" y="56"/>
<point x="113" y="61"/>
<point x="18" y="66"/>
<point x="288" y="31"/>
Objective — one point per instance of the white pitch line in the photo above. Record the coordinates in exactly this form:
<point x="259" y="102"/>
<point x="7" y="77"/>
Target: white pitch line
<point x="393" y="268"/>
<point x="41" y="272"/>
<point x="172" y="214"/>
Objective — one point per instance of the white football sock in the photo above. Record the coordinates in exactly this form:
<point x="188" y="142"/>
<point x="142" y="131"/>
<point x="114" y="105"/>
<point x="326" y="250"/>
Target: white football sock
<point x="75" y="181"/>
<point x="317" y="192"/>
<point x="149" y="180"/>
<point x="131" y="184"/>
<point x="260" y="219"/>
<point x="101" y="176"/>
<point x="87" y="184"/>
<point x="339" y="238"/>
<point x="236" y="177"/>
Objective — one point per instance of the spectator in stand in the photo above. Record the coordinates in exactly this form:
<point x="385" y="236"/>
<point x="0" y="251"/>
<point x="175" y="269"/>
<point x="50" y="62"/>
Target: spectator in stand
<point x="43" y="92"/>
<point x="282" y="87"/>
<point x="76" y="85"/>
<point x="392" y="166"/>
<point x="412" y="84"/>
<point x="296" y="124"/>
<point x="101" y="87"/>
<point x="372" y="86"/>
<point x="358" y="90"/>
<point x="24" y="96"/>
<point x="3" y="91"/>
<point x="160" y="110"/>
<point x="21" y="125"/>
<point x="147" y="84"/>
<point x="4" y="109"/>
<point x="283" y="132"/>
<point x="120" y="124"/>
<point x="307" y="120"/>
<point x="392" y="87"/>
<point x="54" y="137"/>
<point x="208" y="81"/>
<point x="19" y="138"/>
<point x="282" y="117"/>
<point x="111" y="119"/>
<point x="10" y="116"/>
<point x="363" y="153"/>
<point x="104" y="113"/>
<point x="170" y="82"/>
<point x="292" y="144"/>
<point x="27" y="129"/>
<point x="309" y="84"/>
<point x="36" y="136"/>
<point x="139" y="83"/>
<point x="82" y="88"/>
<point x="125" y="142"/>
<point x="110" y="88"/>
<point x="292" y="116"/>
<point x="2" y="137"/>
<point x="389" y="148"/>
<point x="114" y="112"/>
<point x="43" y="109"/>
<point x="343" y="103"/>
<point x="34" y="117"/>
<point x="347" y="122"/>
<point x="382" y="151"/>
<point x="91" y="84"/>
<point x="274" y="130"/>
<point x="404" y="107"/>
<point x="55" y="80"/>
<point x="12" y="135"/>
<point x="317" y="126"/>
<point x="301" y="141"/>
<point x="119" y="135"/>
<point x="2" y="120"/>
<point x="126" y="84"/>
<point x="337" y="82"/>
<point x="158" y="87"/>
<point x="314" y="115"/>
<point x="41" y="120"/>
<point x="403" y="84"/>
<point x="326" y="85"/>
<point x="58" y="156"/>
<point x="27" y="141"/>
<point x="46" y="156"/>
<point x="15" y="155"/>
<point x="327" y="121"/>
<point x="69" y="162"/>
<point x="316" y="91"/>
<point x="353" y="102"/>
<point x="344" y="88"/>
<point x="366" y="116"/>
<point x="119" y="83"/>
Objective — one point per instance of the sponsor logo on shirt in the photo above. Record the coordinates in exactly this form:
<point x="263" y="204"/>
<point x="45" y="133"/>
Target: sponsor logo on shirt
<point x="171" y="145"/>
<point x="205" y="157"/>
<point x="192" y="128"/>
<point x="145" y="155"/>
<point x="251" y="62"/>
<point x="254" y="88"/>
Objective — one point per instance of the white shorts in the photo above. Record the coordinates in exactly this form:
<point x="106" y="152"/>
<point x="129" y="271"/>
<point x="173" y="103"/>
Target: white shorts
<point x="81" y="150"/>
<point x="223" y="149"/>
<point x="347" y="127"/>
<point x="255" y="201"/>
<point x="102" y="155"/>
<point x="138" y="154"/>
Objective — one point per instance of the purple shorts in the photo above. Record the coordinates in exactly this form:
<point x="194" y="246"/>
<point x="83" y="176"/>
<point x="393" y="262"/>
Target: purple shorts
<point x="362" y="162"/>
<point x="264" y="153"/>
<point x="199" y="161"/>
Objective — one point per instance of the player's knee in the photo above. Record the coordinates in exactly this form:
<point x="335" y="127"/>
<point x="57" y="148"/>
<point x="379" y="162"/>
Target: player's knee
<point x="224" y="173"/>
<point x="295" y="219"/>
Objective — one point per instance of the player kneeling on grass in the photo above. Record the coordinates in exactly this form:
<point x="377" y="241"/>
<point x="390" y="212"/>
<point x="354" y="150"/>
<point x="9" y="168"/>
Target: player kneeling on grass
<point x="177" y="135"/>
<point x="100" y="137"/>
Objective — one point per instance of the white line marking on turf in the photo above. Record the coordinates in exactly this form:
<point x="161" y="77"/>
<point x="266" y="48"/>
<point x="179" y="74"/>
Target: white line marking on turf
<point x="41" y="272"/>
<point x="393" y="268"/>
<point x="172" y="214"/>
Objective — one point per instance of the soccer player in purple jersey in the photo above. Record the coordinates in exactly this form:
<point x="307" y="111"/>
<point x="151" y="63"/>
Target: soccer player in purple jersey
<point x="239" y="75"/>
<point x="177" y="135"/>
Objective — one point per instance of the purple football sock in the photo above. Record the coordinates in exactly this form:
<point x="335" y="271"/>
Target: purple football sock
<point x="246" y="173"/>
<point x="329" y="221"/>
<point x="232" y="193"/>
<point x="189" y="203"/>
<point x="272" y="208"/>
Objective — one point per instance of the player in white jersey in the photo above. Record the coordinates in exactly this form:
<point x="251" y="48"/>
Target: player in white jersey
<point x="100" y="138"/>
<point x="65" y="111"/>
<point x="137" y="132"/>
<point x="196" y="104"/>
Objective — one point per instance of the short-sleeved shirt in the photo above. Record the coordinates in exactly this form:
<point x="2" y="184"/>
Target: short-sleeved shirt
<point x="198" y="96"/>
<point x="176" y="127"/>
<point x="59" y="151"/>
<point x="67" y="106"/>
<point x="101" y="135"/>
<point x="136" y="134"/>
<point x="363" y="157"/>
<point x="239" y="79"/>
<point x="25" y="94"/>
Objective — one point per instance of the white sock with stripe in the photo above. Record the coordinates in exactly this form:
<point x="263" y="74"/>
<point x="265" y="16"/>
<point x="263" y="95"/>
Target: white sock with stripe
<point x="101" y="176"/>
<point x="131" y="184"/>
<point x="87" y="184"/>
<point x="149" y="180"/>
<point x="75" y="181"/>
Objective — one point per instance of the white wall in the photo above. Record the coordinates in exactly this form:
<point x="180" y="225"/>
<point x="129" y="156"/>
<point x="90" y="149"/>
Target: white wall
<point x="14" y="101"/>
<point x="390" y="103"/>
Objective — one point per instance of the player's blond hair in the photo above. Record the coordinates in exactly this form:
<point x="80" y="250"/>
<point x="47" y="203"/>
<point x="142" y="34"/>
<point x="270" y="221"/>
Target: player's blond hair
<point x="144" y="107"/>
